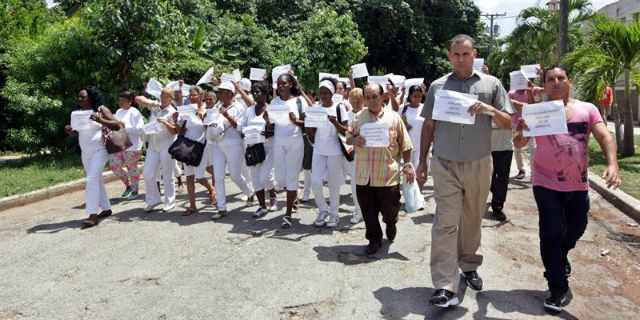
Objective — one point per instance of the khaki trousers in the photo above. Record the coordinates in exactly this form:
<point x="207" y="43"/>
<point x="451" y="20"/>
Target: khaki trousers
<point x="460" y="191"/>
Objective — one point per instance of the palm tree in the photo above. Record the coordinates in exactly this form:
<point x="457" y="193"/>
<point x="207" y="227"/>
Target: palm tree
<point x="611" y="52"/>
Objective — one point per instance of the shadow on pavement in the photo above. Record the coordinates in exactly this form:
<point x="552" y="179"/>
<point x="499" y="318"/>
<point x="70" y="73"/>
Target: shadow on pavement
<point x="518" y="301"/>
<point x="399" y="304"/>
<point x="354" y="254"/>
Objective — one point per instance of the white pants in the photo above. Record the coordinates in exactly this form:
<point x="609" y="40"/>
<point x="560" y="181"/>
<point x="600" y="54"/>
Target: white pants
<point x="153" y="160"/>
<point x="332" y="166"/>
<point x="232" y="155"/>
<point x="306" y="189"/>
<point x="95" y="194"/>
<point x="349" y="169"/>
<point x="262" y="173"/>
<point x="177" y="171"/>
<point x="287" y="162"/>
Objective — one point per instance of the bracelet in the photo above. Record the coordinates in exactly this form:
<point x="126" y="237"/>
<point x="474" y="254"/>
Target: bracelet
<point x="408" y="164"/>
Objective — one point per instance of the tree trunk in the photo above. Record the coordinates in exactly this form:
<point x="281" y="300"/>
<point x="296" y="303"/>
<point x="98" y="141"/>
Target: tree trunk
<point x="628" y="149"/>
<point x="615" y="111"/>
<point x="563" y="39"/>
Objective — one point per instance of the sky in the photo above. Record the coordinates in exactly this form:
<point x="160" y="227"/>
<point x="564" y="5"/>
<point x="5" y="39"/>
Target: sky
<point x="513" y="7"/>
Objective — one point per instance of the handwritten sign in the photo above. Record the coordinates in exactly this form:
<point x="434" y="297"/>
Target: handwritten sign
<point x="227" y="77"/>
<point x="279" y="114"/>
<point x="316" y="117"/>
<point x="80" y="120"/>
<point x="359" y="70"/>
<point x="323" y="75"/>
<point x="277" y="71"/>
<point x="478" y="63"/>
<point x="152" y="127"/>
<point x="375" y="134"/>
<point x="257" y="74"/>
<point x="531" y="70"/>
<point x="413" y="82"/>
<point x="337" y="98"/>
<point x="154" y="87"/>
<point x="451" y="106"/>
<point x="213" y="114"/>
<point x="519" y="80"/>
<point x="207" y="77"/>
<point x="545" y="118"/>
<point x="253" y="135"/>
<point x="188" y="109"/>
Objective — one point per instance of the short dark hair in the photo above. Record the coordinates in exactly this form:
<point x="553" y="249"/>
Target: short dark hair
<point x="126" y="95"/>
<point x="551" y="67"/>
<point x="415" y="88"/>
<point x="94" y="95"/>
<point x="461" y="38"/>
<point x="263" y="87"/>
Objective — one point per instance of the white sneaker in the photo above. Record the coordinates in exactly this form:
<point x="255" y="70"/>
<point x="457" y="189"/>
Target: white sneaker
<point x="322" y="215"/>
<point x="244" y="197"/>
<point x="260" y="212"/>
<point x="333" y="221"/>
<point x="305" y="197"/>
<point x="356" y="217"/>
<point x="169" y="207"/>
<point x="152" y="207"/>
<point x="273" y="205"/>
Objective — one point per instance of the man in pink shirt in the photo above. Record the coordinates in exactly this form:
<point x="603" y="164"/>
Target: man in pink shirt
<point x="560" y="183"/>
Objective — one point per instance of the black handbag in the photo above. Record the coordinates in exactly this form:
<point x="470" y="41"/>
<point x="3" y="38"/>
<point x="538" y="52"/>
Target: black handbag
<point x="347" y="150"/>
<point x="186" y="150"/>
<point x="308" y="146"/>
<point x="255" y="154"/>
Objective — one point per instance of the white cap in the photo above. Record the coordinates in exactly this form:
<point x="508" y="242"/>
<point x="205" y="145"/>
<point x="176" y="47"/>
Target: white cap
<point x="327" y="84"/>
<point x="245" y="84"/>
<point x="227" y="86"/>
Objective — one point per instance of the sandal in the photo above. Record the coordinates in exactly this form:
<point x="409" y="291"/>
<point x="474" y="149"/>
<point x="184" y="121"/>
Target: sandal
<point x="104" y="214"/>
<point x="189" y="212"/>
<point x="91" y="221"/>
<point x="213" y="198"/>
<point x="286" y="223"/>
<point x="219" y="215"/>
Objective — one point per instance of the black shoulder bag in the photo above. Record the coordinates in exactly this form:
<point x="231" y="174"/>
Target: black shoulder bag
<point x="186" y="150"/>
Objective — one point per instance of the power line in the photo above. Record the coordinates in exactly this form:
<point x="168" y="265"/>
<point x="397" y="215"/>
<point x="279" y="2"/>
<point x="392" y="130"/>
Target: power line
<point x="492" y="17"/>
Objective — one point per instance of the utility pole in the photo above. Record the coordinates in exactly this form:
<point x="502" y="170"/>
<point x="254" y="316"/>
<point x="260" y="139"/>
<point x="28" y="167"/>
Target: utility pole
<point x="563" y="39"/>
<point x="491" y="17"/>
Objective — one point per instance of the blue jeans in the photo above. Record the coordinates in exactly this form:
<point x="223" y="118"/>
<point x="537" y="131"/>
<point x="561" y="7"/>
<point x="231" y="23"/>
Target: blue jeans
<point x="563" y="220"/>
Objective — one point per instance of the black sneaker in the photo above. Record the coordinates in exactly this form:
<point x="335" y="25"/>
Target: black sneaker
<point x="443" y="298"/>
<point x="372" y="248"/>
<point x="498" y="214"/>
<point x="554" y="302"/>
<point x="520" y="175"/>
<point x="391" y="231"/>
<point x="473" y="280"/>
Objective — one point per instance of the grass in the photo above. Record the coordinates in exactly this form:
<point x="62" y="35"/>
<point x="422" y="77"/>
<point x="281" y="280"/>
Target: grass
<point x="629" y="167"/>
<point x="39" y="172"/>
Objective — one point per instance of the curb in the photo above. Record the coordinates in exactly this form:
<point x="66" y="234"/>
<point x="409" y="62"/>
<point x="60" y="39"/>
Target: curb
<point x="49" y="192"/>
<point x="618" y="198"/>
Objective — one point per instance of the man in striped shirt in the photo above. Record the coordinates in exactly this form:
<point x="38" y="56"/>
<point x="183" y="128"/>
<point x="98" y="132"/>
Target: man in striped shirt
<point x="378" y="168"/>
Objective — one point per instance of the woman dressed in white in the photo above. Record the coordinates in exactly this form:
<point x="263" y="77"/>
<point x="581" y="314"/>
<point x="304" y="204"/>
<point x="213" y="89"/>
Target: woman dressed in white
<point x="194" y="130"/>
<point x="161" y="132"/>
<point x="410" y="114"/>
<point x="327" y="155"/>
<point x="288" y="149"/>
<point x="257" y="121"/>
<point x="94" y="153"/>
<point x="228" y="149"/>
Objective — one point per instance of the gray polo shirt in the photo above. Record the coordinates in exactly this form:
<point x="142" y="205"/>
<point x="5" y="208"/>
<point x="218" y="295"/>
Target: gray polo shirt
<point x="466" y="143"/>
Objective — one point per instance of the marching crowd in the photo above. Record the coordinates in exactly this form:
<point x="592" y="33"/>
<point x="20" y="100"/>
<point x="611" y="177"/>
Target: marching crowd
<point x="380" y="136"/>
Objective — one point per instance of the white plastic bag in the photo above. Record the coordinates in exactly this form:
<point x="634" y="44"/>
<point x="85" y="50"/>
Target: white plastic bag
<point x="413" y="200"/>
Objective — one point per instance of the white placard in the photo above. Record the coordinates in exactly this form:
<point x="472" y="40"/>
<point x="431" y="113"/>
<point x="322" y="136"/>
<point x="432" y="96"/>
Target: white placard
<point x="152" y="127"/>
<point x="154" y="87"/>
<point x="345" y="80"/>
<point x="213" y="114"/>
<point x="253" y="135"/>
<point x="359" y="70"/>
<point x="545" y="118"/>
<point x="278" y="114"/>
<point x="80" y="120"/>
<point x="451" y="106"/>
<point x="375" y="134"/>
<point x="277" y="71"/>
<point x="257" y="74"/>
<point x="227" y="77"/>
<point x="236" y="75"/>
<point x="531" y="70"/>
<point x="175" y="86"/>
<point x="519" y="80"/>
<point x="188" y="109"/>
<point x="381" y="80"/>
<point x="413" y="82"/>
<point x="316" y="117"/>
<point x="478" y="63"/>
<point x="398" y="80"/>
<point x="337" y="98"/>
<point x="206" y="78"/>
<point x="322" y="75"/>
